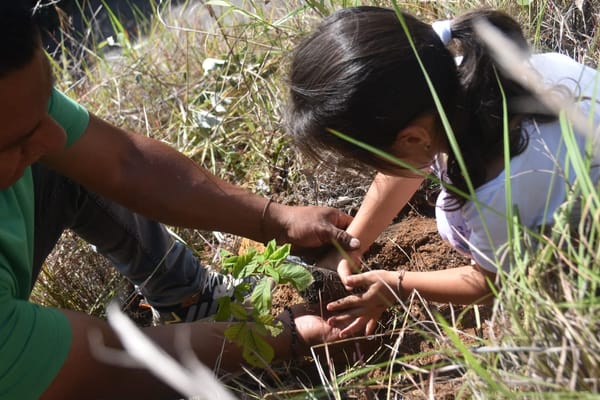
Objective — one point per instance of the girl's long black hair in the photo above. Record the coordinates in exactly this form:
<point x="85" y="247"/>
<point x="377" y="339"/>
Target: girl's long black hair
<point x="357" y="74"/>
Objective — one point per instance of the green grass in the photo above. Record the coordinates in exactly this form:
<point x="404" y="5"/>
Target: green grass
<point x="544" y="333"/>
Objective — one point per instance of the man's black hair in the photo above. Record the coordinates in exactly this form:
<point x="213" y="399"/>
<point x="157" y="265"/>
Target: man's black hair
<point x="19" y="35"/>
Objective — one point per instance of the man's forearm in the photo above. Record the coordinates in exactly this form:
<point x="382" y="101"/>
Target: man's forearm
<point x="176" y="191"/>
<point x="83" y="375"/>
<point x="153" y="179"/>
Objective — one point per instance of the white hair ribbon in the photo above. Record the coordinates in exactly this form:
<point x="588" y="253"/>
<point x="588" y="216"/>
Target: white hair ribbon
<point x="443" y="30"/>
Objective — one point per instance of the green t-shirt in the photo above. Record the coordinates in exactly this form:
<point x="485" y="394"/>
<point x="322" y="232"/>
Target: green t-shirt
<point x="34" y="340"/>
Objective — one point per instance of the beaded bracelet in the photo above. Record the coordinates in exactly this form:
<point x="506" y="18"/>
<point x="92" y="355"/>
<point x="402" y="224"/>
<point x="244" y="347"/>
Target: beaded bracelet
<point x="294" y="332"/>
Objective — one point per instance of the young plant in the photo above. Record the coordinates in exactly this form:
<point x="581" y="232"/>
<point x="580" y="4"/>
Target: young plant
<point x="263" y="270"/>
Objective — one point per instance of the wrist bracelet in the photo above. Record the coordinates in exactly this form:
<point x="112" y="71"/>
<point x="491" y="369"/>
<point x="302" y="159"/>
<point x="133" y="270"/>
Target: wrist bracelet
<point x="294" y="333"/>
<point x="400" y="279"/>
<point x="263" y="232"/>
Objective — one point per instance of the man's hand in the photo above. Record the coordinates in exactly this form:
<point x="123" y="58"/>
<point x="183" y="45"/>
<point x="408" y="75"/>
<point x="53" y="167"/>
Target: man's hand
<point x="314" y="331"/>
<point x="359" y="313"/>
<point x="312" y="328"/>
<point x="308" y="226"/>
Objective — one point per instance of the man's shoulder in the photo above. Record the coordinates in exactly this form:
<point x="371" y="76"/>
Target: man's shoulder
<point x="69" y="114"/>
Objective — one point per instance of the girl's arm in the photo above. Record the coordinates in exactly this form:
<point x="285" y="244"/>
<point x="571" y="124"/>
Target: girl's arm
<point x="385" y="198"/>
<point x="360" y="312"/>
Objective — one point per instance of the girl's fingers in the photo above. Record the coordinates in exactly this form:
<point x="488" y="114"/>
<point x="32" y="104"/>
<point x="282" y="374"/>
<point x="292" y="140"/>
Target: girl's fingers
<point x="371" y="325"/>
<point x="348" y="302"/>
<point x="345" y="271"/>
<point x="358" y="280"/>
<point x="344" y="319"/>
<point x="339" y="321"/>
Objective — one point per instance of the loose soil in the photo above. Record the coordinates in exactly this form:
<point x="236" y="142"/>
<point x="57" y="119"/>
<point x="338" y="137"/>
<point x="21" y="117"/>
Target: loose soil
<point x="413" y="244"/>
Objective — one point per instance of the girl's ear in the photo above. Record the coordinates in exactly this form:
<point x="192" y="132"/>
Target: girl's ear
<point x="416" y="143"/>
<point x="412" y="141"/>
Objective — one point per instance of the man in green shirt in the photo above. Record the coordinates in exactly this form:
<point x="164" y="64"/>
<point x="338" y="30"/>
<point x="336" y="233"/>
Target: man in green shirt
<point x="63" y="167"/>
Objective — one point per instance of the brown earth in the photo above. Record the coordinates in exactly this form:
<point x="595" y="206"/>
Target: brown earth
<point x="412" y="244"/>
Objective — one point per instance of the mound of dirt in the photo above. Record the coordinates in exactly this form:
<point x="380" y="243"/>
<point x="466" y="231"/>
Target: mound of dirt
<point x="414" y="244"/>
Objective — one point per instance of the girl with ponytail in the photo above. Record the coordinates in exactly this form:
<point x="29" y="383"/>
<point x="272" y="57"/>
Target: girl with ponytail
<point x="357" y="74"/>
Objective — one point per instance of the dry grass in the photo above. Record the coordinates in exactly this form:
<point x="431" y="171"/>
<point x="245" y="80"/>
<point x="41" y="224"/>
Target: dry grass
<point x="227" y="119"/>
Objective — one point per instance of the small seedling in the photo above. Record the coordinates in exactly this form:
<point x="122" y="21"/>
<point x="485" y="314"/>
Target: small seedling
<point x="254" y="316"/>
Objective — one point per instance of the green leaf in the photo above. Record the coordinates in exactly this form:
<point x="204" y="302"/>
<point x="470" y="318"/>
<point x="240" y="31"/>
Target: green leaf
<point x="224" y="310"/>
<point x="238" y="333"/>
<point x="248" y="269"/>
<point x="280" y="254"/>
<point x="223" y="253"/>
<point x="269" y="249"/>
<point x="240" y="291"/>
<point x="259" y="328"/>
<point x="275" y="329"/>
<point x="261" y="297"/>
<point x="238" y="311"/>
<point x="257" y="351"/>
<point x="296" y="275"/>
<point x="272" y="272"/>
<point x="228" y="263"/>
<point x="241" y="268"/>
<point x="264" y="319"/>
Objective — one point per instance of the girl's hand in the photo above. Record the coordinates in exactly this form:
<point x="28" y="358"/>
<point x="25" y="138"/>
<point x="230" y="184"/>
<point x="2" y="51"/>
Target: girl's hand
<point x="359" y="313"/>
<point x="345" y="265"/>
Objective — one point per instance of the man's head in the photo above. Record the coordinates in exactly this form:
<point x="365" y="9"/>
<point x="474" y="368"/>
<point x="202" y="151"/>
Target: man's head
<point x="27" y="132"/>
<point x="19" y="35"/>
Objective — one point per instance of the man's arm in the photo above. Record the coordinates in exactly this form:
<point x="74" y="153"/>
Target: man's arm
<point x="155" y="180"/>
<point x="84" y="376"/>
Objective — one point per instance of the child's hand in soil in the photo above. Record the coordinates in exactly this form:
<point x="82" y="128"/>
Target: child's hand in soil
<point x="359" y="312"/>
<point x="314" y="330"/>
<point x="345" y="265"/>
